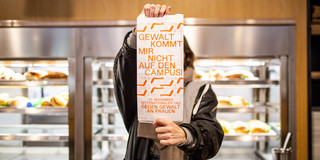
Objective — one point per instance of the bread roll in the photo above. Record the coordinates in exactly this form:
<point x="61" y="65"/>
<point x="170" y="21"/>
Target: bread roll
<point x="257" y="126"/>
<point x="225" y="125"/>
<point x="240" y="127"/>
<point x="55" y="75"/>
<point x="35" y="75"/>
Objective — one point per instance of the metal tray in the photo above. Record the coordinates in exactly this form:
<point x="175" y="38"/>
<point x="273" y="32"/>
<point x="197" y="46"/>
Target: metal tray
<point x="249" y="109"/>
<point x="271" y="136"/>
<point x="27" y="83"/>
<point x="35" y="137"/>
<point x="242" y="83"/>
<point x="41" y="110"/>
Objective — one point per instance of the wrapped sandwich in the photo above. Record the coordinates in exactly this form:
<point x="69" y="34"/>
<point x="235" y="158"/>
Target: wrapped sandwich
<point x="257" y="126"/>
<point x="240" y="127"/>
<point x="225" y="125"/>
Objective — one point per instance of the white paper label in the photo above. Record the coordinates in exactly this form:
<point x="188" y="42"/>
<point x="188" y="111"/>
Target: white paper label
<point x="160" y="68"/>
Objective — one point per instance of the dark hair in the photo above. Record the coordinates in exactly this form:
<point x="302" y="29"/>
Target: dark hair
<point x="189" y="56"/>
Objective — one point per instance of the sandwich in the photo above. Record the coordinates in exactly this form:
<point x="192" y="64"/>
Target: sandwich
<point x="18" y="102"/>
<point x="216" y="74"/>
<point x="35" y="75"/>
<point x="59" y="101"/>
<point x="223" y="101"/>
<point x="257" y="126"/>
<point x="55" y="75"/>
<point x="225" y="125"/>
<point x="4" y="97"/>
<point x="238" y="74"/>
<point x="240" y="127"/>
<point x="237" y="101"/>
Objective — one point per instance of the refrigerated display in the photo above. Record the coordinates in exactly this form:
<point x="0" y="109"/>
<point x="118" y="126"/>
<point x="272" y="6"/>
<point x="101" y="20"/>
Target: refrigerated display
<point x="248" y="93"/>
<point x="33" y="109"/>
<point x="91" y="126"/>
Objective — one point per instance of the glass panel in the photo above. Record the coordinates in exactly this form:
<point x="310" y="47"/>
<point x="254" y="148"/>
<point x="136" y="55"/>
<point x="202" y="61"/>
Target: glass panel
<point x="108" y="131"/>
<point x="247" y="89"/>
<point x="34" y="109"/>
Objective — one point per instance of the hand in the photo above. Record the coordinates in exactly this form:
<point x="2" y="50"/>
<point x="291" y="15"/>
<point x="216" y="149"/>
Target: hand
<point x="168" y="132"/>
<point x="152" y="10"/>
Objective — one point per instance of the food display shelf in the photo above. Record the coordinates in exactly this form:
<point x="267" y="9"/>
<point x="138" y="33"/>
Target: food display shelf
<point x="109" y="110"/>
<point x="35" y="137"/>
<point x="30" y="83"/>
<point x="249" y="109"/>
<point x="42" y="110"/>
<point x="271" y="136"/>
<point x="242" y="83"/>
<point x="245" y="109"/>
<point x="110" y="137"/>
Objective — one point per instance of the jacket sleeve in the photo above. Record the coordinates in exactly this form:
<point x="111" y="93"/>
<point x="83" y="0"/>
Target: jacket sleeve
<point x="125" y="80"/>
<point x="204" y="127"/>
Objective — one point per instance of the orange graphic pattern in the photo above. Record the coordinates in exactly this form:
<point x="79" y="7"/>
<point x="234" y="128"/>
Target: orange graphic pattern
<point x="167" y="84"/>
<point x="143" y="94"/>
<point x="153" y="24"/>
<point x="167" y="94"/>
<point x="144" y="83"/>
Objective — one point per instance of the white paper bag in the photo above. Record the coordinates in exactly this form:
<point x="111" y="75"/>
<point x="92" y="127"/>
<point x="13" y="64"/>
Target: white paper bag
<point x="160" y="58"/>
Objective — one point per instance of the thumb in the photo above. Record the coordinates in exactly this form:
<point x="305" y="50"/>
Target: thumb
<point x="161" y="122"/>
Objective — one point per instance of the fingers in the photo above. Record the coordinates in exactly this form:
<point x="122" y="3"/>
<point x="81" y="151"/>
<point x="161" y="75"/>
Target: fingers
<point x="168" y="9"/>
<point x="152" y="10"/>
<point x="157" y="10"/>
<point x="161" y="122"/>
<point x="146" y="10"/>
<point x="162" y="10"/>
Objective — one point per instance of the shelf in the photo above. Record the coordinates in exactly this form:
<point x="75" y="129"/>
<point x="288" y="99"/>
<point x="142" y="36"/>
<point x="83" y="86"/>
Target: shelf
<point x="250" y="109"/>
<point x="106" y="110"/>
<point x="42" y="110"/>
<point x="271" y="136"/>
<point x="110" y="137"/>
<point x="35" y="126"/>
<point x="242" y="83"/>
<point x="27" y="83"/>
<point x="35" y="137"/>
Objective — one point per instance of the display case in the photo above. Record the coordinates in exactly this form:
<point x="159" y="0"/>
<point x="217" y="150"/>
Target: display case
<point x="91" y="127"/>
<point x="248" y="93"/>
<point x="34" y="109"/>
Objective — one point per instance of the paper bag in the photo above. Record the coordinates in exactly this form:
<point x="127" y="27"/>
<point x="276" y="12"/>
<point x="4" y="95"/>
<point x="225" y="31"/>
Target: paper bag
<point x="160" y="58"/>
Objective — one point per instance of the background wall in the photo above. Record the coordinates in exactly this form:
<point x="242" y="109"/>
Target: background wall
<point x="129" y="9"/>
<point x="65" y="10"/>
